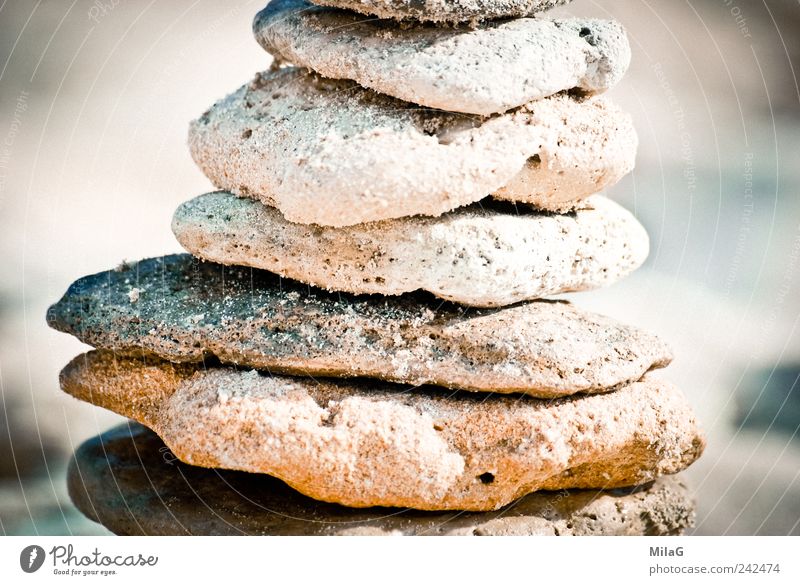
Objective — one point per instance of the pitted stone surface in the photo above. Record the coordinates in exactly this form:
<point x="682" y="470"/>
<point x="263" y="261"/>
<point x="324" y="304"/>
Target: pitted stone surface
<point x="485" y="70"/>
<point x="367" y="443"/>
<point x="485" y="255"/>
<point x="188" y="311"/>
<point x="130" y="482"/>
<point x="331" y="153"/>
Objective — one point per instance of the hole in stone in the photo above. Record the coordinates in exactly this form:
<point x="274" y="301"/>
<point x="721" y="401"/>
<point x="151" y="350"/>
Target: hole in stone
<point x="586" y="35"/>
<point x="486" y="478"/>
<point x="535" y="161"/>
<point x="446" y="133"/>
<point x="247" y="134"/>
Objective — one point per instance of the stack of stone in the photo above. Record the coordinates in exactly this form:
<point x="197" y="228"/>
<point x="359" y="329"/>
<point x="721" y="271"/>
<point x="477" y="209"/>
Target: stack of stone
<point x="361" y="321"/>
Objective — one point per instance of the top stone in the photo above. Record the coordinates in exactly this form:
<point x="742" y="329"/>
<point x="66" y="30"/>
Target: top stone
<point x="480" y="70"/>
<point x="445" y="11"/>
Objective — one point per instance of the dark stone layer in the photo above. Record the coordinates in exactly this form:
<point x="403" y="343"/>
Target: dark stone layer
<point x="184" y="310"/>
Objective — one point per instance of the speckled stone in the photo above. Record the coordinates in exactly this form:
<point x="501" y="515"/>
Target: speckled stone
<point x="186" y="310"/>
<point x="367" y="443"/>
<point x="129" y="481"/>
<point x="485" y="255"/>
<point x="332" y="153"/>
<point x="485" y="70"/>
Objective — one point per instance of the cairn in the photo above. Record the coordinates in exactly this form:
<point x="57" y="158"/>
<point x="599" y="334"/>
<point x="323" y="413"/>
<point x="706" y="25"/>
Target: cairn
<point x="362" y="320"/>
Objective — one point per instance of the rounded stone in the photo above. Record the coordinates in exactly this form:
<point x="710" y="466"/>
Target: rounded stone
<point x="329" y="152"/>
<point x="485" y="70"/>
<point x="486" y="255"/>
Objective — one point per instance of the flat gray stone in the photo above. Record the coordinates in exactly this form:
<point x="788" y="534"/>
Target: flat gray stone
<point x="185" y="310"/>
<point x="485" y="70"/>
<point x="445" y="11"/>
<point x="129" y="481"/>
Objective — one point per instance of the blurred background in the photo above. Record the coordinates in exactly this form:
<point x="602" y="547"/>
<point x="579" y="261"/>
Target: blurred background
<point x="95" y="99"/>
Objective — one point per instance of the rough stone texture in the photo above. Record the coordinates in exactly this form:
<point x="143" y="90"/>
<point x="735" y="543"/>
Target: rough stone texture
<point x="484" y="70"/>
<point x="130" y="482"/>
<point x="483" y="255"/>
<point x="330" y="152"/>
<point x="445" y="11"/>
<point x="369" y="443"/>
<point x="189" y="310"/>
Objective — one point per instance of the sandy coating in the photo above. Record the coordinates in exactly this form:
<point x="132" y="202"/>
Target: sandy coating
<point x="368" y="443"/>
<point x="484" y="70"/>
<point x="189" y="311"/>
<point x="330" y="152"/>
<point x="485" y="257"/>
<point x="445" y="11"/>
<point x="120" y="480"/>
